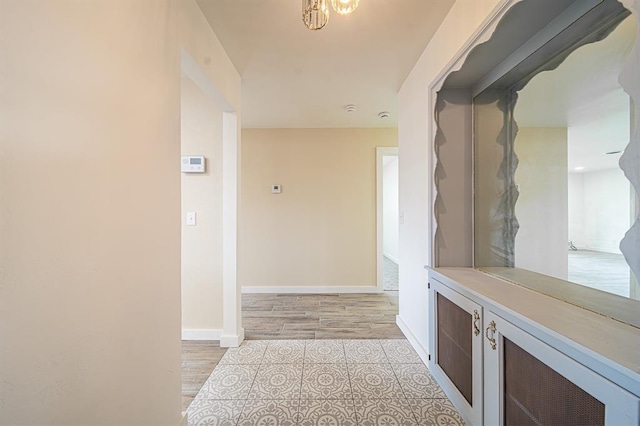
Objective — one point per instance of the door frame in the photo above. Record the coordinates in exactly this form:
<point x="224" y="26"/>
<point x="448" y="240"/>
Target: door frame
<point x="381" y="152"/>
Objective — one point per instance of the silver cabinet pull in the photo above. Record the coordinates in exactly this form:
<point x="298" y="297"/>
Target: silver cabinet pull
<point x="476" y="318"/>
<point x="491" y="328"/>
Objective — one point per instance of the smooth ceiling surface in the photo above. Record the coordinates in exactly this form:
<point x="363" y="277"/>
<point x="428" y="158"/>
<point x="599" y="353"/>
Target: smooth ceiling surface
<point x="584" y="95"/>
<point x="294" y="77"/>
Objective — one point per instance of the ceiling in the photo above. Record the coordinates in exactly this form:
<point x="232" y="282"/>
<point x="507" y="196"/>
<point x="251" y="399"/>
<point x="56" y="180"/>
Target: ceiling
<point x="294" y="77"/>
<point x="584" y="95"/>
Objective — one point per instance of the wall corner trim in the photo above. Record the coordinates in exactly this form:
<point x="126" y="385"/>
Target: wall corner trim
<point x="232" y="341"/>
<point x="422" y="352"/>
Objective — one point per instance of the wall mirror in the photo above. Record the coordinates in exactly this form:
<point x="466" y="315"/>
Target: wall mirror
<point x="545" y="128"/>
<point x="551" y="202"/>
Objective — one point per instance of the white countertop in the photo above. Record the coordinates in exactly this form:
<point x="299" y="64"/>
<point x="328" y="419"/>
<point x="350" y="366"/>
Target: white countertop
<point x="605" y="345"/>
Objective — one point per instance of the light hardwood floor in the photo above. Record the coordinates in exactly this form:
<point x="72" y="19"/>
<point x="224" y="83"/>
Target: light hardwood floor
<point x="199" y="358"/>
<point x="321" y="316"/>
<point x="295" y="316"/>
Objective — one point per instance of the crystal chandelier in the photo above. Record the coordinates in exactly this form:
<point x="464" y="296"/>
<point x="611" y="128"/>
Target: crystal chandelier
<point x="315" y="13"/>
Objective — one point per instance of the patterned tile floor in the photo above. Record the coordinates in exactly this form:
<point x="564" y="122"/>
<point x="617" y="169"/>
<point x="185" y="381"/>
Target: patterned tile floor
<point x="323" y="383"/>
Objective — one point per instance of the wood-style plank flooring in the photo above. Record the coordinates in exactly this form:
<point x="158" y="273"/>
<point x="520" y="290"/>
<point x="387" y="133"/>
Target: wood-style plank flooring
<point x="295" y="316"/>
<point x="321" y="316"/>
<point x="199" y="358"/>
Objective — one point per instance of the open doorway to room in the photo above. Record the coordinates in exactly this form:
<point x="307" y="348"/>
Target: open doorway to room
<point x="388" y="218"/>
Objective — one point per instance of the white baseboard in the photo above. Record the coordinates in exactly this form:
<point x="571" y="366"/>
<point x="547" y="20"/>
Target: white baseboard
<point x="201" y="334"/>
<point x="311" y="290"/>
<point x="422" y="351"/>
<point x="232" y="340"/>
<point x="393" y="259"/>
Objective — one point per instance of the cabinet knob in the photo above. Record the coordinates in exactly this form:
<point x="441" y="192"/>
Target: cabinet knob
<point x="476" y="319"/>
<point x="491" y="329"/>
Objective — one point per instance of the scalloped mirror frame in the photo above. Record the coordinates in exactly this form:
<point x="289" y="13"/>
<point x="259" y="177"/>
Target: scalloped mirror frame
<point x="451" y="241"/>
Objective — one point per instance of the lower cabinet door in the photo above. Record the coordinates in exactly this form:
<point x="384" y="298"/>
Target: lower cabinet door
<point x="527" y="382"/>
<point x="456" y="360"/>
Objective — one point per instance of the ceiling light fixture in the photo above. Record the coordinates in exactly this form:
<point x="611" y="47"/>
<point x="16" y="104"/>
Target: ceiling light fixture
<point x="383" y="115"/>
<point x="350" y="108"/>
<point x="344" y="7"/>
<point x="315" y="13"/>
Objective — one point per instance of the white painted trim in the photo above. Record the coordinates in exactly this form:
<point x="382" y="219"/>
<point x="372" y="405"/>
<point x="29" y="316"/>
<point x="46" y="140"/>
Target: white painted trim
<point x="391" y="258"/>
<point x="232" y="341"/>
<point x="421" y="350"/>
<point x="381" y="152"/>
<point x="621" y="407"/>
<point x="201" y="334"/>
<point x="231" y="299"/>
<point x="310" y="290"/>
<point x="472" y="413"/>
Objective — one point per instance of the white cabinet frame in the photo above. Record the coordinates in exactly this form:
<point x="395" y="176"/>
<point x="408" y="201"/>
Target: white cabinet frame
<point x="621" y="407"/>
<point x="471" y="414"/>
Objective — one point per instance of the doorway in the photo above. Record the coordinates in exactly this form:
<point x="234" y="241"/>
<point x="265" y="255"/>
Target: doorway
<point x="210" y="297"/>
<point x="388" y="219"/>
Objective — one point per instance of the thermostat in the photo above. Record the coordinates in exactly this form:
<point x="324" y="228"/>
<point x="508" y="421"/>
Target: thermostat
<point x="276" y="189"/>
<point x="192" y="164"/>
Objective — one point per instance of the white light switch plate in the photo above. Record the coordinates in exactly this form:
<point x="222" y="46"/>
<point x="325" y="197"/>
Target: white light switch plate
<point x="191" y="218"/>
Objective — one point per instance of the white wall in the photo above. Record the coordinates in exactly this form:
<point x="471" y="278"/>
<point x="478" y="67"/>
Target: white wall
<point x="90" y="225"/>
<point x="542" y="206"/>
<point x="90" y="247"/>
<point x="201" y="134"/>
<point x="576" y="210"/>
<point x="600" y="209"/>
<point x="321" y="230"/>
<point x="414" y="122"/>
<point x="390" y="209"/>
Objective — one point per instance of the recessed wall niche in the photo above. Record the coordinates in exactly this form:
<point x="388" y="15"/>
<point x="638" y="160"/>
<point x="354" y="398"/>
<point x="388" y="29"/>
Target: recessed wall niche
<point x="502" y="202"/>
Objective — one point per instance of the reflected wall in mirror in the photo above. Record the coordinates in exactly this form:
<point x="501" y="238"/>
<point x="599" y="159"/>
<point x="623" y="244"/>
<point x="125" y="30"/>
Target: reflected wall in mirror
<point x="574" y="122"/>
<point x="550" y="196"/>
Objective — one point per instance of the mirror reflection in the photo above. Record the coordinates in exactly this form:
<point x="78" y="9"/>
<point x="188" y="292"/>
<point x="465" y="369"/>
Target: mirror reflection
<point x="573" y="203"/>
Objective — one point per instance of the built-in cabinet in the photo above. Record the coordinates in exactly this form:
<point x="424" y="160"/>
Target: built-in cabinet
<point x="457" y="358"/>
<point x="498" y="373"/>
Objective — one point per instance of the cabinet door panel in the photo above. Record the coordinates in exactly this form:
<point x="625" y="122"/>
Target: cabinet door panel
<point x="528" y="382"/>
<point x="457" y="361"/>
<point x="455" y="345"/>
